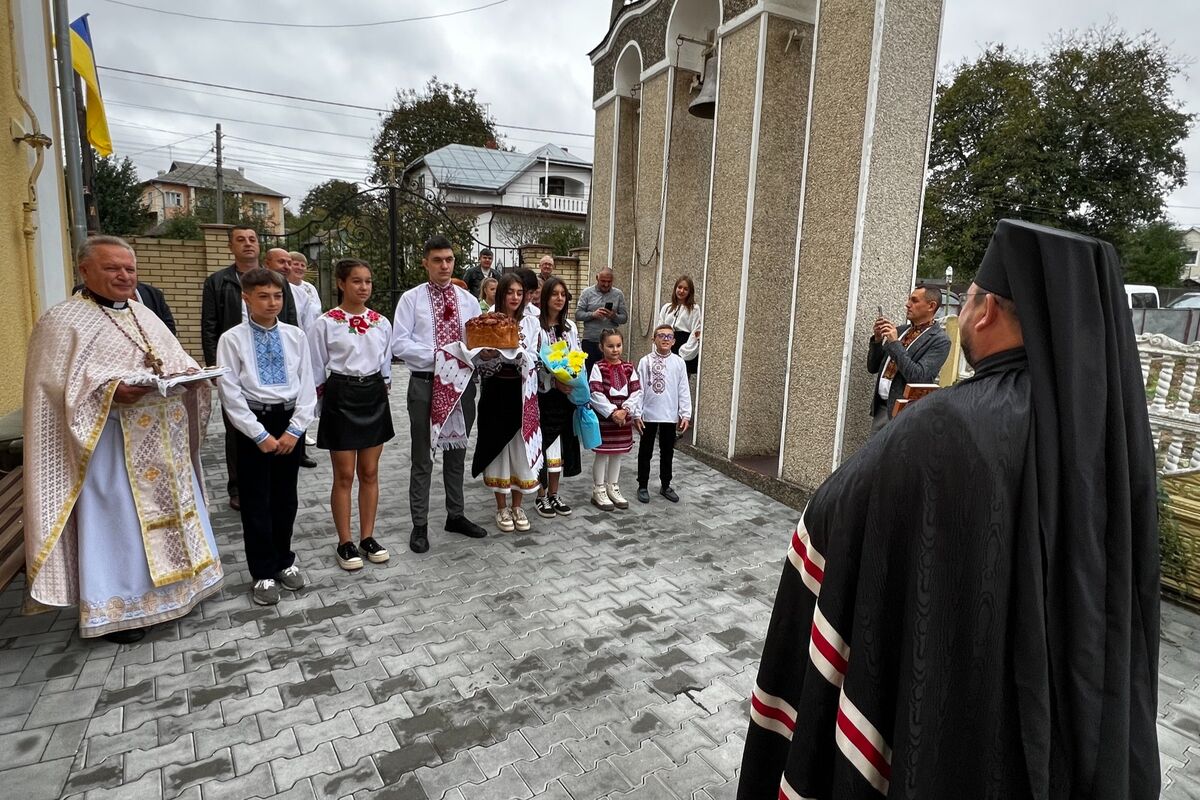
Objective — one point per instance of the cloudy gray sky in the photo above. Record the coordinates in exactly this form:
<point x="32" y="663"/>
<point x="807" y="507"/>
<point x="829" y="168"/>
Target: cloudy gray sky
<point x="526" y="58"/>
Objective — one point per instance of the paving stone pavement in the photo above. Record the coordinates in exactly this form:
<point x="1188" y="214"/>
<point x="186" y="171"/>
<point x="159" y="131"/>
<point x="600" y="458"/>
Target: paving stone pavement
<point x="603" y="655"/>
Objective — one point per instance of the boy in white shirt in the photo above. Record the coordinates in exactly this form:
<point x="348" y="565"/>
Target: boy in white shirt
<point x="268" y="396"/>
<point x="666" y="408"/>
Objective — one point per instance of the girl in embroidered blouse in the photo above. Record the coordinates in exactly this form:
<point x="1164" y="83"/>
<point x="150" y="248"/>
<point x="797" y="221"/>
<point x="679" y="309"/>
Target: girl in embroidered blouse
<point x="509" y="436"/>
<point x="684" y="317"/>
<point x="556" y="409"/>
<point x="616" y="395"/>
<point x="487" y="294"/>
<point x="352" y="366"/>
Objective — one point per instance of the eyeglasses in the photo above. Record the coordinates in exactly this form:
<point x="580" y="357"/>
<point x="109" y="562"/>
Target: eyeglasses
<point x="664" y="336"/>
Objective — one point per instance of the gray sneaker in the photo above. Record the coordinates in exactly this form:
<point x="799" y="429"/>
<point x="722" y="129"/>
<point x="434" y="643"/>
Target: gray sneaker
<point x="266" y="592"/>
<point x="291" y="578"/>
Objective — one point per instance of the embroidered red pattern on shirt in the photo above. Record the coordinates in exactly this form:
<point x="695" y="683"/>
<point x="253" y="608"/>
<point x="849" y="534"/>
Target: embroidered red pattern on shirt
<point x="443" y="309"/>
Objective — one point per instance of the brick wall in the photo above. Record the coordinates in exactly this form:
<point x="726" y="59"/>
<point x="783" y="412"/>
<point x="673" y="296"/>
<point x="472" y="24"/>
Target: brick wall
<point x="178" y="268"/>
<point x="571" y="269"/>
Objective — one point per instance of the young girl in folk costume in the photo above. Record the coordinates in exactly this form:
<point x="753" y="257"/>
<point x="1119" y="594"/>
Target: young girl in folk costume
<point x="487" y="294"/>
<point x="557" y="410"/>
<point x="352" y="365"/>
<point x="684" y="317"/>
<point x="508" y="451"/>
<point x="616" y="394"/>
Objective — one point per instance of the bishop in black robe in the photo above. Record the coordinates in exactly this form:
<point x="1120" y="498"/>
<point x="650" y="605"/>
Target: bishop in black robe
<point x="969" y="606"/>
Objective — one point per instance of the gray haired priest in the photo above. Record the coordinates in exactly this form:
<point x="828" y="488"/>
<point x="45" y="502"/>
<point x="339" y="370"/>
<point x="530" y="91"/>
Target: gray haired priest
<point x="115" y="518"/>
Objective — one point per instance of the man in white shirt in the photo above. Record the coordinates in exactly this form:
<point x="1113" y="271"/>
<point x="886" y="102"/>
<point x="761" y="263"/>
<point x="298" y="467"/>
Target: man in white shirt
<point x="311" y="313"/>
<point x="428" y="317"/>
<point x="279" y="260"/>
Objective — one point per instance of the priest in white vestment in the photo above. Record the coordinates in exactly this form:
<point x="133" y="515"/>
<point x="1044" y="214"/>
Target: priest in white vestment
<point x="115" y="516"/>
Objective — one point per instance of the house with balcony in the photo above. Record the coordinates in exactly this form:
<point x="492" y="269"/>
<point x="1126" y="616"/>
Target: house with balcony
<point x="178" y="190"/>
<point x="1191" y="255"/>
<point x="511" y="196"/>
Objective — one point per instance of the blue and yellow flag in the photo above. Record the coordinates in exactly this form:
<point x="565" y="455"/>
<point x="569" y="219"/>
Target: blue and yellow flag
<point x="83" y="60"/>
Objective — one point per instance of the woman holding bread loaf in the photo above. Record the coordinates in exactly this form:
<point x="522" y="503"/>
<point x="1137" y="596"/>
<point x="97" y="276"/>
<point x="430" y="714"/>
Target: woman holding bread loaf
<point x="509" y="449"/>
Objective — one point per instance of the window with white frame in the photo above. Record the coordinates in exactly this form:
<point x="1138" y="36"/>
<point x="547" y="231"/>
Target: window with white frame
<point x="259" y="208"/>
<point x="173" y="199"/>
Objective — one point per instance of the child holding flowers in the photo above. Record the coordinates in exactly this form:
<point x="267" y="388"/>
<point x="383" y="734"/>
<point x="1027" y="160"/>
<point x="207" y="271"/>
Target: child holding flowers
<point x="616" y="394"/>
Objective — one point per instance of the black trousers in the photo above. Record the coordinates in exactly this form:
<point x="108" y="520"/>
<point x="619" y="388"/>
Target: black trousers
<point x="267" y="487"/>
<point x="666" y="442"/>
<point x="231" y="450"/>
<point x="592" y="349"/>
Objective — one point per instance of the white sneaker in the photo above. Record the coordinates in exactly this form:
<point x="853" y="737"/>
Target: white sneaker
<point x="504" y="520"/>
<point x="310" y="440"/>
<point x="600" y="498"/>
<point x="614" y="494"/>
<point x="520" y="521"/>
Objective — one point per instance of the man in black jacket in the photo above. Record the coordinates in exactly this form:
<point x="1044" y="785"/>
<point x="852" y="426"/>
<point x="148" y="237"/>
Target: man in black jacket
<point x="152" y="298"/>
<point x="913" y="353"/>
<point x="221" y="310"/>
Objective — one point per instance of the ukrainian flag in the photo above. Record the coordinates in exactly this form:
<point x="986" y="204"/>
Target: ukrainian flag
<point x="83" y="60"/>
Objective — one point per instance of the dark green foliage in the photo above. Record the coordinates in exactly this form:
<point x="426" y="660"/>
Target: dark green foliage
<point x="1153" y="254"/>
<point x="119" y="197"/>
<point x="1084" y="137"/>
<point x="423" y="121"/>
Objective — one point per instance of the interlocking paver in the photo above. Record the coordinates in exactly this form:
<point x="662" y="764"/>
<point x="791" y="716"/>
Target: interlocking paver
<point x="340" y="726"/>
<point x="491" y="759"/>
<point x="139" y="762"/>
<point x="436" y="781"/>
<point x="358" y="777"/>
<point x="540" y="772"/>
<point x="505" y="786"/>
<point x="255" y="783"/>
<point x="287" y="771"/>
<point x="248" y="755"/>
<point x="603" y="654"/>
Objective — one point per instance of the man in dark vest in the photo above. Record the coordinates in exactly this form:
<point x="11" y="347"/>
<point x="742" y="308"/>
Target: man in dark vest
<point x="222" y="309"/>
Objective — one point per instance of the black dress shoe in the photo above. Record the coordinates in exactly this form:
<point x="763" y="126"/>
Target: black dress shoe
<point x="465" y="527"/>
<point x="643" y="494"/>
<point x="308" y="461"/>
<point x="235" y="504"/>
<point x="669" y="493"/>
<point x="126" y="636"/>
<point x="418" y="541"/>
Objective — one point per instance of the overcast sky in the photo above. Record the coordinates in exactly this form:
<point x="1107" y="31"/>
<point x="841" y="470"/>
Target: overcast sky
<point x="527" y="59"/>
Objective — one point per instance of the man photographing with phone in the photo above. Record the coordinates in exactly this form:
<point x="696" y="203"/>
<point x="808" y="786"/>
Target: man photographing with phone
<point x="913" y="353"/>
<point x="600" y="307"/>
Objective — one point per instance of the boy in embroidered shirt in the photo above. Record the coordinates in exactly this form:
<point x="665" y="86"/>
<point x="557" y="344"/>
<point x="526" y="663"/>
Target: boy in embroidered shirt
<point x="269" y="397"/>
<point x="666" y="408"/>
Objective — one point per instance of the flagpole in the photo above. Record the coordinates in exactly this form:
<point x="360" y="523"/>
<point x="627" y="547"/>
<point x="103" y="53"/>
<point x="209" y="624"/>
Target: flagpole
<point x="87" y="163"/>
<point x="71" y="152"/>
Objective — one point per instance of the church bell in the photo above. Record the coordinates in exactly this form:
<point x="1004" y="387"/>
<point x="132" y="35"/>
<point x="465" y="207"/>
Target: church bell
<point x="705" y="104"/>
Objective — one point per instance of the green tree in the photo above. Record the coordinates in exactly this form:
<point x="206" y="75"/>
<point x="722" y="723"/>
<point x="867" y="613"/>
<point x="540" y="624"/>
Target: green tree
<point x="1153" y="254"/>
<point x="119" y="197"/>
<point x="1085" y="137"/>
<point x="182" y="226"/>
<point x="331" y="196"/>
<point x="423" y="121"/>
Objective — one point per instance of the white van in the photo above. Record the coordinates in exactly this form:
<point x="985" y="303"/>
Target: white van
<point x="1141" y="296"/>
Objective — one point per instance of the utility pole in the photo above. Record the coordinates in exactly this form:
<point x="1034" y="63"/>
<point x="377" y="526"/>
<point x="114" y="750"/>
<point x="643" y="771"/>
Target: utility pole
<point x="66" y="96"/>
<point x="220" y="182"/>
